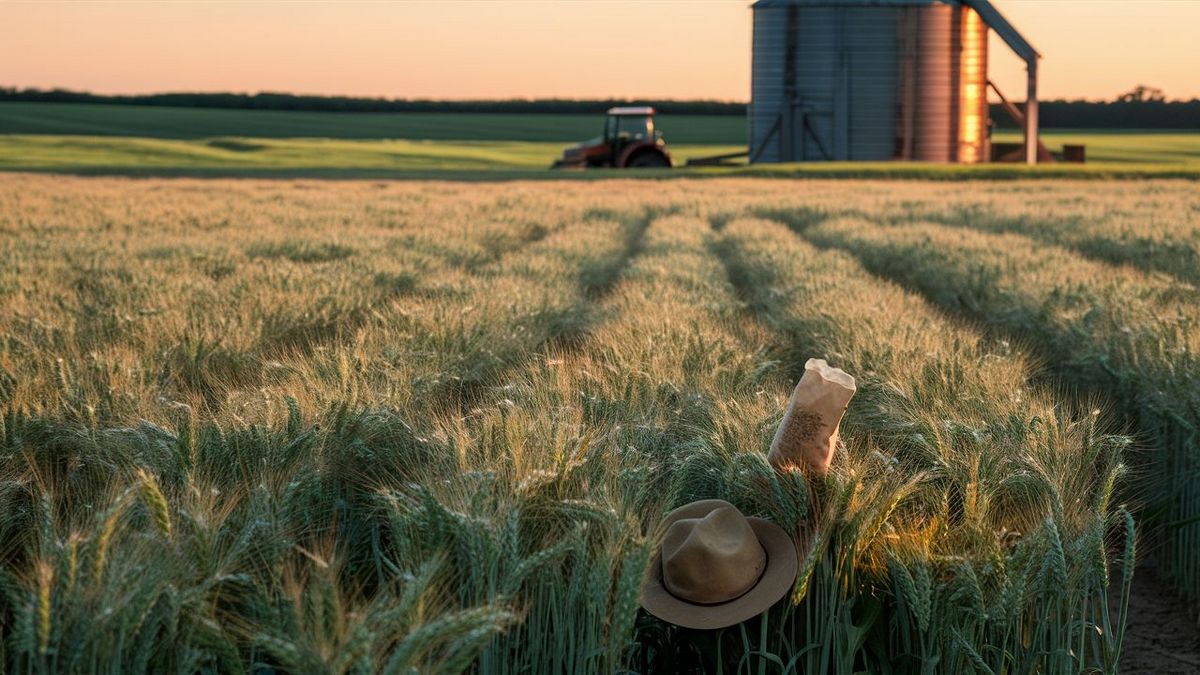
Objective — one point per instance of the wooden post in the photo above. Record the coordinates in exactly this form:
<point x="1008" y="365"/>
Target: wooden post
<point x="1031" y="114"/>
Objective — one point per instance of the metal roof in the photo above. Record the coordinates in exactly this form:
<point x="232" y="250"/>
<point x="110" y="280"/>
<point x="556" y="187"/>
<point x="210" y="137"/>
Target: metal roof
<point x="990" y="15"/>
<point x="996" y="21"/>
<point x="631" y="110"/>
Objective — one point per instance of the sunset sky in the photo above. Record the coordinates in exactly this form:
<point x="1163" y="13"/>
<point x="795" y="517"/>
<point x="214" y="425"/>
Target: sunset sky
<point x="530" y="49"/>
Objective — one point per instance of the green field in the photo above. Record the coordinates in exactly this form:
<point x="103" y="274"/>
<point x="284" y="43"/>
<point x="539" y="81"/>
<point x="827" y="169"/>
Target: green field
<point x="132" y="140"/>
<point x="491" y="160"/>
<point x="199" y="123"/>
<point x="291" y="156"/>
<point x="306" y="426"/>
<point x="1148" y="147"/>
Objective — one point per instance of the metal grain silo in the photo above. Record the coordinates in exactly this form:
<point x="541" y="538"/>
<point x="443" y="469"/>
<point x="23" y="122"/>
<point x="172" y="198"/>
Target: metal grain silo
<point x="873" y="79"/>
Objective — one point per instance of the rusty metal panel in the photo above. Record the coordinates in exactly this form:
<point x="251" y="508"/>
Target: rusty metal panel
<point x="935" y="80"/>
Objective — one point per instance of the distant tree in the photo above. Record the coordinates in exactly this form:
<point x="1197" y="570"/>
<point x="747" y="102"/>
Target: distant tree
<point x="347" y="104"/>
<point x="1142" y="93"/>
<point x="1142" y="108"/>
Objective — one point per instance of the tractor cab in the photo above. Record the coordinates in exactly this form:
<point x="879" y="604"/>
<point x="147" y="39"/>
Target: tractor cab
<point x="629" y="141"/>
<point x="623" y="125"/>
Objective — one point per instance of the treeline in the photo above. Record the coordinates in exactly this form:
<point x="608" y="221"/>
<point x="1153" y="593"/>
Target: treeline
<point x="1110" y="115"/>
<point x="1146" y="114"/>
<point x="347" y="104"/>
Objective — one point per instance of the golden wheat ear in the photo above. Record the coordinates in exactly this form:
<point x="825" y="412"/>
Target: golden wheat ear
<point x="808" y="433"/>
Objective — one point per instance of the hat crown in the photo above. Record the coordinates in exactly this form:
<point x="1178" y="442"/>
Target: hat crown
<point x="712" y="559"/>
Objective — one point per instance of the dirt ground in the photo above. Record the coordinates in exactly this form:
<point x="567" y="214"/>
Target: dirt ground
<point x="1162" y="637"/>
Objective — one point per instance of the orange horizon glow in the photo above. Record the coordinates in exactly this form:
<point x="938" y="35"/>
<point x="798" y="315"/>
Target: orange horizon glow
<point x="623" y="49"/>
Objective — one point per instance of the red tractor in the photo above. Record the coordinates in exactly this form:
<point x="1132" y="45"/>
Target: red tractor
<point x="630" y="141"/>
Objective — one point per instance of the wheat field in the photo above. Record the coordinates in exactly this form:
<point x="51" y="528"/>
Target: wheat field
<point x="255" y="426"/>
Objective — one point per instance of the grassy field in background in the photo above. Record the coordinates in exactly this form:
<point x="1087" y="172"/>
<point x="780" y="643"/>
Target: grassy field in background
<point x="199" y="123"/>
<point x="132" y="140"/>
<point x="1116" y="146"/>
<point x="273" y="156"/>
<point x="408" y="426"/>
<point x="466" y="160"/>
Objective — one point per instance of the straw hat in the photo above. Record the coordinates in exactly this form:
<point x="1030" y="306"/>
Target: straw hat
<point x="716" y="567"/>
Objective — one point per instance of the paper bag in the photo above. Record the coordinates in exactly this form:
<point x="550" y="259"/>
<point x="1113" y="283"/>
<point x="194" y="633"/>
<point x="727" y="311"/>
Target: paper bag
<point x="808" y="434"/>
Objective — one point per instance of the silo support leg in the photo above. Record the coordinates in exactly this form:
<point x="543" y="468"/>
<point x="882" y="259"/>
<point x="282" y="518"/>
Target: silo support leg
<point x="1031" y="115"/>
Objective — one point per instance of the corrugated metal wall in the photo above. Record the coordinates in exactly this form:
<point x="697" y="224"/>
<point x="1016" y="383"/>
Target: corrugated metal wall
<point x="816" y="56"/>
<point x="873" y="69"/>
<point x="836" y="81"/>
<point x="766" y="83"/>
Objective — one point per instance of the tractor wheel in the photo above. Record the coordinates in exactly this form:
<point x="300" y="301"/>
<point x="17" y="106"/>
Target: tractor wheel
<point x="649" y="160"/>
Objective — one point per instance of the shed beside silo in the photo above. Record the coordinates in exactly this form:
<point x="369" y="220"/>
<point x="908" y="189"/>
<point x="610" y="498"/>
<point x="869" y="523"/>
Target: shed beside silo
<point x="876" y="80"/>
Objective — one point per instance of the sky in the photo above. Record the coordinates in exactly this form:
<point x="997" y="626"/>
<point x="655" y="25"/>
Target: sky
<point x="479" y="49"/>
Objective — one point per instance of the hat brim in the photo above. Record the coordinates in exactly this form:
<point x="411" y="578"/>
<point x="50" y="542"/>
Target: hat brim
<point x="777" y="578"/>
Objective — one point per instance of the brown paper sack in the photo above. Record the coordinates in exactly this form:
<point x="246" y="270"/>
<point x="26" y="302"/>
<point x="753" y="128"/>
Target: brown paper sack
<point x="808" y="434"/>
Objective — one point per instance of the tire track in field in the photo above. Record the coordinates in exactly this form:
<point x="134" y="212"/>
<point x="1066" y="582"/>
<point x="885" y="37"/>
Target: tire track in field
<point x="1044" y="374"/>
<point x="603" y="310"/>
<point x="1172" y="257"/>
<point x="213" y="373"/>
<point x="595" y="280"/>
<point x="995" y="294"/>
<point x="664" y="366"/>
<point x="304" y="337"/>
<point x="622" y="395"/>
<point x="455" y="337"/>
<point x="964" y="309"/>
<point x="959" y="308"/>
<point x="801" y="220"/>
<point x="1149" y="256"/>
<point x="767" y="294"/>
<point x="979" y="294"/>
<point x="922" y="375"/>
